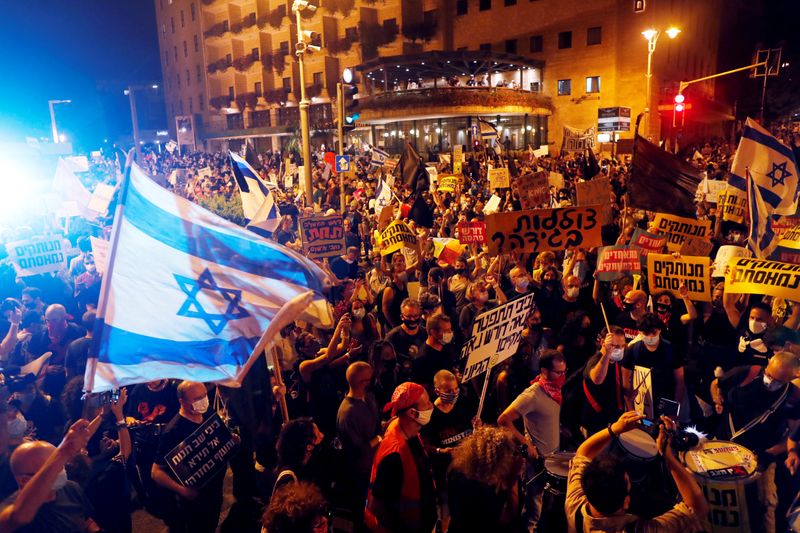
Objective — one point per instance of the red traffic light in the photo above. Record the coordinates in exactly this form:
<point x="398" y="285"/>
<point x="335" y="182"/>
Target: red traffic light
<point x="679" y="98"/>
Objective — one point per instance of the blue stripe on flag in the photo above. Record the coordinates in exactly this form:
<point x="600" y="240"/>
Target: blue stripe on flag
<point x="253" y="257"/>
<point x="737" y="182"/>
<point x="770" y="197"/>
<point x="769" y="141"/>
<point x="133" y="349"/>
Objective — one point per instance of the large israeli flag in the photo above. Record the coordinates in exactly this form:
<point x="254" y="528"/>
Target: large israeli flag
<point x="772" y="166"/>
<point x="379" y="157"/>
<point x="187" y="294"/>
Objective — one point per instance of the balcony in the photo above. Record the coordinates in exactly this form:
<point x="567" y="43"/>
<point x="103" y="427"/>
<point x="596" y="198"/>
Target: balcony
<point x="246" y="100"/>
<point x="242" y="64"/>
<point x="276" y="17"/>
<point x="218" y="102"/>
<point x="217" y="30"/>
<point x="219" y="65"/>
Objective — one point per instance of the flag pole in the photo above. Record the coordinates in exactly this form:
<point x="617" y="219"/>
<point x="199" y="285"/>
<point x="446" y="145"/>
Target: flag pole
<point x="279" y="381"/>
<point x="483" y="392"/>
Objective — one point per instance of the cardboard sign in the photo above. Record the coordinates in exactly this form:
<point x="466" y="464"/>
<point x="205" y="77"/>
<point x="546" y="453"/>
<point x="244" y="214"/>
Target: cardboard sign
<point x="472" y="232"/>
<point x="203" y="454"/>
<point x="614" y="262"/>
<point x="38" y="255"/>
<point x="322" y="236"/>
<point x="596" y="192"/>
<point x="542" y="151"/>
<point x="666" y="273"/>
<point x="498" y="178"/>
<point x="648" y="243"/>
<point x="759" y="276"/>
<point x="577" y="140"/>
<point x="733" y="205"/>
<point x="534" y="190"/>
<point x="556" y="180"/>
<point x="492" y="205"/>
<point x="100" y="253"/>
<point x="101" y="197"/>
<point x="643" y="387"/>
<point x="692" y="246"/>
<point x="495" y="335"/>
<point x="396" y="236"/>
<point x="677" y="229"/>
<point x="544" y="229"/>
<point x="448" y="183"/>
<point x="712" y="189"/>
<point x="724" y="256"/>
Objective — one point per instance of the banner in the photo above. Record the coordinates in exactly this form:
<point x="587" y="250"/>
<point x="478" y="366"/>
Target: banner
<point x="596" y="192"/>
<point x="542" y="151"/>
<point x="498" y="178"/>
<point x="698" y="247"/>
<point x="712" y="189"/>
<point x="495" y="336"/>
<point x="676" y="229"/>
<point x="396" y="236"/>
<point x="788" y="249"/>
<point x="100" y="253"/>
<point x="534" y="190"/>
<point x="203" y="454"/>
<point x="666" y="273"/>
<point x="448" y="183"/>
<point x="556" y="180"/>
<point x="648" y="243"/>
<point x="614" y="262"/>
<point x="101" y="197"/>
<point x="643" y="387"/>
<point x="472" y="232"/>
<point x="544" y="229"/>
<point x="724" y="256"/>
<point x="322" y="236"/>
<point x="732" y="204"/>
<point x="38" y="255"/>
<point x="759" y="276"/>
<point x="576" y="140"/>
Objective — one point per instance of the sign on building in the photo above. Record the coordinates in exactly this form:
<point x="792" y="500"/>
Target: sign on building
<point x="613" y="119"/>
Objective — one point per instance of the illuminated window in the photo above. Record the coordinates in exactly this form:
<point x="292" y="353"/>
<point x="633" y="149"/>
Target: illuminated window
<point x="564" y="87"/>
<point x="593" y="84"/>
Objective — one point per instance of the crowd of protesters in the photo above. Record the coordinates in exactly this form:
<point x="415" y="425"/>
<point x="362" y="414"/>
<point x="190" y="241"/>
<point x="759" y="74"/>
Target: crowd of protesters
<point x="382" y="432"/>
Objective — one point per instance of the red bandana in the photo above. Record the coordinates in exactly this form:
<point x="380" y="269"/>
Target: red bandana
<point x="550" y="388"/>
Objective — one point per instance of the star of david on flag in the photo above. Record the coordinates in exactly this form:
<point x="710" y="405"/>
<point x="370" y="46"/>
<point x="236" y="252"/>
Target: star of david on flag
<point x="193" y="307"/>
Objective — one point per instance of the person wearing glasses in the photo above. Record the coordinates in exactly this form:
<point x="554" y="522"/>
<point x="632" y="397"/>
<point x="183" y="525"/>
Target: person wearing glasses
<point x="539" y="406"/>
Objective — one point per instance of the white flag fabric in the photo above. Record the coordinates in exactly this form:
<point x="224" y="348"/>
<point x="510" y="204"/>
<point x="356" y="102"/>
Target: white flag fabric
<point x="383" y="197"/>
<point x="67" y="187"/>
<point x="187" y="294"/>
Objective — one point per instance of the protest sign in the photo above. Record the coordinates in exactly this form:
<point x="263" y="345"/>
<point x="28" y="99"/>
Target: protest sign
<point x="648" y="243"/>
<point x="100" y="253"/>
<point x="498" y="178"/>
<point x="781" y="225"/>
<point x="534" y="190"/>
<point x="677" y="229"/>
<point x="202" y="455"/>
<point x="322" y="236"/>
<point x="492" y="205"/>
<point x="38" y="255"/>
<point x="724" y="256"/>
<point x="666" y="273"/>
<point x="712" y="189"/>
<point x="448" y="183"/>
<point x="542" y="151"/>
<point x="444" y="159"/>
<point x="596" y="192"/>
<point x="396" y="236"/>
<point x="472" y="232"/>
<point x="614" y="262"/>
<point x="495" y="335"/>
<point x="643" y="387"/>
<point x="759" y="276"/>
<point x="788" y="249"/>
<point x="700" y="247"/>
<point x="577" y="140"/>
<point x="556" y="180"/>
<point x="543" y="229"/>
<point x="101" y="197"/>
<point x="458" y="153"/>
<point x="205" y="172"/>
<point x="733" y="205"/>
<point x="457" y="168"/>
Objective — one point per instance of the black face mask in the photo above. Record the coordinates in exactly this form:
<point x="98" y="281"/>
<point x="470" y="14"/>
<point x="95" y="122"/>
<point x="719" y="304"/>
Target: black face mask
<point x="536" y="328"/>
<point x="662" y="308"/>
<point x="390" y="364"/>
<point x="627" y="307"/>
<point x="411" y="324"/>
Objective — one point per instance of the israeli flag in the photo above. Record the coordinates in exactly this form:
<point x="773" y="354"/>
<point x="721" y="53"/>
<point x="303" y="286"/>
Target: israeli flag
<point x="488" y="130"/>
<point x="761" y="238"/>
<point x="383" y="197"/>
<point x="772" y="166"/>
<point x="188" y="295"/>
<point x="379" y="157"/>
<point x="252" y="189"/>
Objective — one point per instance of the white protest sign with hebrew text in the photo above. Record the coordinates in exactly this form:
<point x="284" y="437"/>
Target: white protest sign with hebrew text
<point x="38" y="255"/>
<point x="643" y="387"/>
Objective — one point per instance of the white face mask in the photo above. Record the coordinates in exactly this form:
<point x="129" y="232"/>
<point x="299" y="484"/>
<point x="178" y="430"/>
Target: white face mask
<point x="60" y="481"/>
<point x="573" y="292"/>
<point x="616" y="355"/>
<point x="522" y="284"/>
<point x="757" y="327"/>
<point x="17" y="427"/>
<point x="447" y="338"/>
<point x="650" y="340"/>
<point x="200" y="406"/>
<point x="423" y="417"/>
<point x="358" y="313"/>
<point x="771" y="384"/>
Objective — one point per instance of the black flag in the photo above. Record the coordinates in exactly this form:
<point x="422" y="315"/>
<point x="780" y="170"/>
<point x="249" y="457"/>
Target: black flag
<point x="660" y="181"/>
<point x="590" y="166"/>
<point x="251" y="157"/>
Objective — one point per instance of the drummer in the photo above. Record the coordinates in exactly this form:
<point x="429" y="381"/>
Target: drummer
<point x="598" y="487"/>
<point x="757" y="403"/>
<point x="602" y="383"/>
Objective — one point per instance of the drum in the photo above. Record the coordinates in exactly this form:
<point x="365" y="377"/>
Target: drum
<point x="639" y="450"/>
<point x="556" y="471"/>
<point x="727" y="473"/>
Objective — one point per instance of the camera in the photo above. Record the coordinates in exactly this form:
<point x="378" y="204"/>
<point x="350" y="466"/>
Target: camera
<point x="10" y="304"/>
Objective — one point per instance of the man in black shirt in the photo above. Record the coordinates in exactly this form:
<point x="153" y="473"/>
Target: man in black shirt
<point x="436" y="354"/>
<point x="634" y="306"/>
<point x="602" y="383"/>
<point x="197" y="509"/>
<point x="409" y="337"/>
<point x="346" y="266"/>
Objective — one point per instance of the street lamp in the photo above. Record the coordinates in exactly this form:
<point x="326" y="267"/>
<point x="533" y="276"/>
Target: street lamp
<point x="300" y="50"/>
<point x="651" y="35"/>
<point x="129" y="92"/>
<point x="51" y="104"/>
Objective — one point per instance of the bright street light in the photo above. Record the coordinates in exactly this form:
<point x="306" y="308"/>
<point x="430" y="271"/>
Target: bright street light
<point x="62" y="138"/>
<point x="652" y="34"/>
<point x="649" y="34"/>
<point x="52" y="104"/>
<point x="673" y="32"/>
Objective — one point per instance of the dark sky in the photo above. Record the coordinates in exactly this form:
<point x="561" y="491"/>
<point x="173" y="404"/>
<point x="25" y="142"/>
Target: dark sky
<point x="84" y="50"/>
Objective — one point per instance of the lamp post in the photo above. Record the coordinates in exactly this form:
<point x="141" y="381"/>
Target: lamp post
<point x="652" y="36"/>
<point x="129" y="92"/>
<point x="302" y="46"/>
<point x="52" y="104"/>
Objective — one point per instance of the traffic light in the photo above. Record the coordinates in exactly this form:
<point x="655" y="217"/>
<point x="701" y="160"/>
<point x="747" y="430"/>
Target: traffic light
<point x="678" y="110"/>
<point x="350" y="112"/>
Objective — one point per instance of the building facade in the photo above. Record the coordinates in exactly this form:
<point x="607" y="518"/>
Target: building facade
<point x="530" y="66"/>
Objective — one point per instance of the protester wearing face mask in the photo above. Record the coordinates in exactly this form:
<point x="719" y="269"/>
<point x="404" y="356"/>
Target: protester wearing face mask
<point x="520" y="282"/>
<point x="751" y="348"/>
<point x="438" y="352"/>
<point x="346" y="266"/>
<point x="402" y="495"/>
<point x="197" y="509"/>
<point x="478" y="294"/>
<point x="540" y="408"/>
<point x="656" y="356"/>
<point x="634" y="306"/>
<point x="44" y="412"/>
<point x="46" y="500"/>
<point x="602" y="382"/>
<point x="757" y="403"/>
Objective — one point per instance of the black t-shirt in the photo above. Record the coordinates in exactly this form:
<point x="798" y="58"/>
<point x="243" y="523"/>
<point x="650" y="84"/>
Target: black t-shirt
<point x="77" y="353"/>
<point x="429" y="362"/>
<point x="66" y="514"/>
<point x="751" y="348"/>
<point x="608" y="395"/>
<point x="389" y="481"/>
<point x="405" y="344"/>
<point x="343" y="269"/>
<point x="158" y="407"/>
<point x="446" y="430"/>
<point x="627" y="323"/>
<point x="662" y="364"/>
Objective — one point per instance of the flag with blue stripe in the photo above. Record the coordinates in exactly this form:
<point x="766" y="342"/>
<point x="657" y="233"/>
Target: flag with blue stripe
<point x="761" y="239"/>
<point x="772" y="166"/>
<point x="252" y="188"/>
<point x="379" y="157"/>
<point x="383" y="197"/>
<point x="488" y="130"/>
<point x="187" y="294"/>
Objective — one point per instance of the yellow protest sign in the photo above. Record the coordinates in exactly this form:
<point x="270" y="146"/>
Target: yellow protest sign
<point x="448" y="183"/>
<point x="538" y="230"/>
<point x="498" y="178"/>
<point x="759" y="276"/>
<point x="733" y="205"/>
<point x="666" y="273"/>
<point x="457" y="167"/>
<point x="396" y="236"/>
<point x="677" y="229"/>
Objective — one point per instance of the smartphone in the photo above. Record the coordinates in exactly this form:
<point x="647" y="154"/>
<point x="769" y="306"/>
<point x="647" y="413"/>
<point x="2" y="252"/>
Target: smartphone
<point x="669" y="408"/>
<point x="648" y="423"/>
